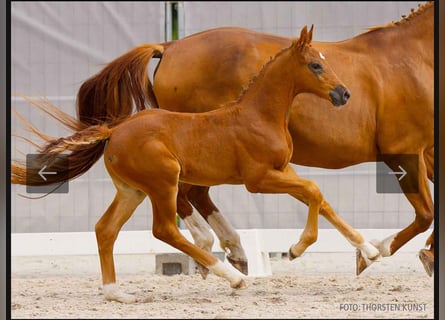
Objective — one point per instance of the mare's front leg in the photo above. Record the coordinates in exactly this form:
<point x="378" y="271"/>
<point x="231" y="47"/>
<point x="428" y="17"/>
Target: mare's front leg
<point x="423" y="206"/>
<point x="287" y="181"/>
<point x="165" y="229"/>
<point x="107" y="229"/>
<point x="427" y="255"/>
<point x="198" y="227"/>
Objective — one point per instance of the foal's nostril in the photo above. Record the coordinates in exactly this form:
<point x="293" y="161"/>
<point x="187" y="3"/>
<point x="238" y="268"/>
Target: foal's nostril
<point x="346" y="95"/>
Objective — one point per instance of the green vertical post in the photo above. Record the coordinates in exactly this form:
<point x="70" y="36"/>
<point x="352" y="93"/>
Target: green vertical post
<point x="172" y="8"/>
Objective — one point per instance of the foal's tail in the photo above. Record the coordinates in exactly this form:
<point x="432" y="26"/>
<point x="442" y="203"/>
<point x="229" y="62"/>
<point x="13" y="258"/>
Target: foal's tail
<point x="111" y="92"/>
<point x="83" y="149"/>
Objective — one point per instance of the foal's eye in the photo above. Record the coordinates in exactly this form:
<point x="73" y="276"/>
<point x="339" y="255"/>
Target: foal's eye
<point x="316" y="66"/>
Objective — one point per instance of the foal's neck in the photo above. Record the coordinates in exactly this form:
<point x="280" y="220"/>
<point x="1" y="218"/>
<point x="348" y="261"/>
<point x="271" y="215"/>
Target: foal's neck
<point x="271" y="92"/>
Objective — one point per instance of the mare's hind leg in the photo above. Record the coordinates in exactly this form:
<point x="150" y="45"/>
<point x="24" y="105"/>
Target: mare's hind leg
<point x="196" y="224"/>
<point x="164" y="228"/>
<point x="423" y="206"/>
<point x="287" y="181"/>
<point x="107" y="229"/>
<point x="229" y="239"/>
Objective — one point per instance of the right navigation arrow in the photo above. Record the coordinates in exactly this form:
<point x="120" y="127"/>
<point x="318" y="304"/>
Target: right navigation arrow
<point x="402" y="173"/>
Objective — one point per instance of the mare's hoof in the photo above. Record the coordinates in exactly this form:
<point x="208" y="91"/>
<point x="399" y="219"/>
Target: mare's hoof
<point x="241" y="265"/>
<point x="239" y="285"/>
<point x="427" y="259"/>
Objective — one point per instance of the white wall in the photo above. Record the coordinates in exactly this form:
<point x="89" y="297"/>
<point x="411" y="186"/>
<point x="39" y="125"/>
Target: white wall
<point x="55" y="46"/>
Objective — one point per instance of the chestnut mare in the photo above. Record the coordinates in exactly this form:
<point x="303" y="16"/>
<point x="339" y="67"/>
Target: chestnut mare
<point x="247" y="142"/>
<point x="389" y="69"/>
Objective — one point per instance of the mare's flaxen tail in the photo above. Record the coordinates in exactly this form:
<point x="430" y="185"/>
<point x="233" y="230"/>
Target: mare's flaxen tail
<point x="83" y="149"/>
<point x="103" y="100"/>
<point x="111" y="93"/>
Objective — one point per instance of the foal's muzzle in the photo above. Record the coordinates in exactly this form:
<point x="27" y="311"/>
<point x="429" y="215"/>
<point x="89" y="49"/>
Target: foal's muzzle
<point x="339" y="96"/>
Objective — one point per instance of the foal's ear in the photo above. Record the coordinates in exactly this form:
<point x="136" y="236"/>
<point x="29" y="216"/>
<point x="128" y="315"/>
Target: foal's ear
<point x="305" y="38"/>
<point x="309" y="36"/>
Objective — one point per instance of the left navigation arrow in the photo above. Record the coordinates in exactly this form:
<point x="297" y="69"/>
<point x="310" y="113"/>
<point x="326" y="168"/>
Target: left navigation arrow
<point x="47" y="175"/>
<point x="42" y="172"/>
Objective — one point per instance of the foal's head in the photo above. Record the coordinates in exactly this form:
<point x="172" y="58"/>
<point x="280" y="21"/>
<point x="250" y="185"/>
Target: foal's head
<point x="316" y="75"/>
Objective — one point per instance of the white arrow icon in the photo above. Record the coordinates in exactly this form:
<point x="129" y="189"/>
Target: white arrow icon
<point x="403" y="173"/>
<point x="42" y="173"/>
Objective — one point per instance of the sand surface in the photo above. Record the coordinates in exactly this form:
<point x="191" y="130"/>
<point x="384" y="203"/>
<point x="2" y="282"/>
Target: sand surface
<point x="317" y="285"/>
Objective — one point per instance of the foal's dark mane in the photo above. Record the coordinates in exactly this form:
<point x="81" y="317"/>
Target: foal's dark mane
<point x="260" y="73"/>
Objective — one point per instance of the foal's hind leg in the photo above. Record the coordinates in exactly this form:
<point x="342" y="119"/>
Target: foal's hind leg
<point x="229" y="239"/>
<point x="107" y="229"/>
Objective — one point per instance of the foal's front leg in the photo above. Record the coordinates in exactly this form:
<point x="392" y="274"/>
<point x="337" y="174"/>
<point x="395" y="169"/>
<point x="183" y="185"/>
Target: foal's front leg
<point x="287" y="181"/>
<point x="424" y="209"/>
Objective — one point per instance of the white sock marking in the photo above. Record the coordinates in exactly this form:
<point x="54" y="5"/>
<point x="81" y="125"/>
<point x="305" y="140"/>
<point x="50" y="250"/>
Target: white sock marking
<point x="112" y="292"/>
<point x="224" y="230"/>
<point x="369" y="250"/>
<point x="226" y="271"/>
<point x="199" y="229"/>
<point x="385" y="246"/>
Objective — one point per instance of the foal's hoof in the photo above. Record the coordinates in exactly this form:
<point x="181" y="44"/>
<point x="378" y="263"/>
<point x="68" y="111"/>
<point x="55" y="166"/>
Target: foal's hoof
<point x="241" y="265"/>
<point x="239" y="285"/>
<point x="203" y="271"/>
<point x="427" y="259"/>
<point x="291" y="255"/>
<point x="360" y="263"/>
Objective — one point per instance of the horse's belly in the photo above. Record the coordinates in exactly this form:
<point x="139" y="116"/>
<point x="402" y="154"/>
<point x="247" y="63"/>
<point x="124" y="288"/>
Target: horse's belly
<point x="332" y="154"/>
<point x="209" y="176"/>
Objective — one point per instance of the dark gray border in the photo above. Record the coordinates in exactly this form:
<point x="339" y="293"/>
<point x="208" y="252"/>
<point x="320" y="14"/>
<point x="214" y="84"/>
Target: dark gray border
<point x="440" y="140"/>
<point x="4" y="183"/>
<point x="4" y="194"/>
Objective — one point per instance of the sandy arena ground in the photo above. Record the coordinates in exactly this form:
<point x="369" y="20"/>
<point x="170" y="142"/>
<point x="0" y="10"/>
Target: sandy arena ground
<point x="317" y="285"/>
